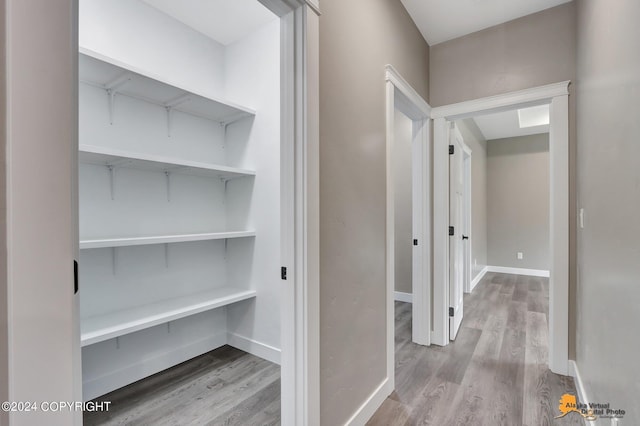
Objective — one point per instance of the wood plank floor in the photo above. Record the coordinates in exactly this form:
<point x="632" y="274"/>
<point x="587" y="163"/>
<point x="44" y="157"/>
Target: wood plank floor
<point x="223" y="387"/>
<point x="495" y="373"/>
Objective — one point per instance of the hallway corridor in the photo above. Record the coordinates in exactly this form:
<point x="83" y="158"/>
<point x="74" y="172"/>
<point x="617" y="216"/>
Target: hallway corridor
<point x="495" y="373"/>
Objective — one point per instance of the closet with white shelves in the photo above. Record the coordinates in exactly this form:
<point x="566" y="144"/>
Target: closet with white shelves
<point x="118" y="219"/>
<point x="179" y="209"/>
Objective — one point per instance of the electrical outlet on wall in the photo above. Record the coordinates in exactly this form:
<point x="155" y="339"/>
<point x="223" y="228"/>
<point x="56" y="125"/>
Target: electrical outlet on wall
<point x="520" y="255"/>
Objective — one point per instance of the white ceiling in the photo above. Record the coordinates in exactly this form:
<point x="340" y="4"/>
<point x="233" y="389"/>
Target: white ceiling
<point x="505" y="125"/>
<point x="442" y="20"/>
<point x="225" y="21"/>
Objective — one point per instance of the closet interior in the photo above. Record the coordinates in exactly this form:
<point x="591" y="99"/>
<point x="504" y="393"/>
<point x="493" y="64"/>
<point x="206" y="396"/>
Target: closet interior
<point x="179" y="184"/>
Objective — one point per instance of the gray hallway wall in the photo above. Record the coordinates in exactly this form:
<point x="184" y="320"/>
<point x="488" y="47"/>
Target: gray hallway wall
<point x="357" y="39"/>
<point x="608" y="93"/>
<point x="518" y="201"/>
<point x="4" y="306"/>
<point x="530" y="51"/>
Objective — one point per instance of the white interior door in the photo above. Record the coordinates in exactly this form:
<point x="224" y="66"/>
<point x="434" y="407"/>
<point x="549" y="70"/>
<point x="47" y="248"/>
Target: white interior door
<point x="466" y="232"/>
<point x="421" y="304"/>
<point x="456" y="225"/>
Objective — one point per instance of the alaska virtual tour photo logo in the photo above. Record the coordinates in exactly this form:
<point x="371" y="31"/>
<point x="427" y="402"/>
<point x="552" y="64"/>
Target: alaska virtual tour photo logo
<point x="590" y="411"/>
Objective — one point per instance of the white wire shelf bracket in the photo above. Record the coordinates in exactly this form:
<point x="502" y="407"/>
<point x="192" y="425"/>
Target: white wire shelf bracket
<point x="118" y="78"/>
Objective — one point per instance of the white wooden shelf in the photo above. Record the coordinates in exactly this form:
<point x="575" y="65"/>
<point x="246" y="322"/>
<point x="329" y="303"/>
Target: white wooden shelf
<point x="162" y="239"/>
<point x="91" y="154"/>
<point x="104" y="327"/>
<point x="119" y="78"/>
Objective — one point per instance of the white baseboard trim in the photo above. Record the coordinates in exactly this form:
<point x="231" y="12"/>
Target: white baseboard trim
<point x="479" y="277"/>
<point x="580" y="388"/>
<point x="253" y="347"/>
<point x="518" y="271"/>
<point x="371" y="405"/>
<point x="403" y="297"/>
<point x="147" y="367"/>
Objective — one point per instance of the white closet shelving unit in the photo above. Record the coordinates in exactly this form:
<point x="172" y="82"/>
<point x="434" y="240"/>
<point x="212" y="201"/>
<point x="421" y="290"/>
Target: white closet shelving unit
<point x="103" y="327"/>
<point x="162" y="239"/>
<point x="116" y="158"/>
<point x="136" y="167"/>
<point x="116" y="77"/>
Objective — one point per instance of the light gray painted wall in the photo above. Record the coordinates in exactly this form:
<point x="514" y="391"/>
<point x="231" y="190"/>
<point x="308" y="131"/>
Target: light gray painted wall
<point x="608" y="93"/>
<point x="353" y="53"/>
<point x="518" y="201"/>
<point x="41" y="139"/>
<point x="527" y="52"/>
<point x="475" y="141"/>
<point x="4" y="326"/>
<point x="403" y="202"/>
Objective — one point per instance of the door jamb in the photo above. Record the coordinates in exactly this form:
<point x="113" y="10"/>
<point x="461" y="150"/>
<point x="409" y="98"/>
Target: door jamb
<point x="556" y="95"/>
<point x="300" y="310"/>
<point x="400" y="94"/>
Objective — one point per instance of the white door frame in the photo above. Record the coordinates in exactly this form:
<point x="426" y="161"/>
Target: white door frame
<point x="557" y="96"/>
<point x="400" y="95"/>
<point x="41" y="217"/>
<point x="300" y="309"/>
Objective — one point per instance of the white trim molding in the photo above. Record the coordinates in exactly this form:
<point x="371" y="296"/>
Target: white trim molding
<point x="557" y="96"/>
<point x="259" y="349"/>
<point x="282" y="7"/>
<point x="371" y="405"/>
<point x="415" y="100"/>
<point x="559" y="227"/>
<point x="583" y="396"/>
<point x="518" y="271"/>
<point x="527" y="97"/>
<point x="479" y="277"/>
<point x="399" y="296"/>
<point x="300" y="313"/>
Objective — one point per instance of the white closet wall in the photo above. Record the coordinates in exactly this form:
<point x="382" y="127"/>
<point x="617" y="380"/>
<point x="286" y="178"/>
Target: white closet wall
<point x="139" y="35"/>
<point x="252" y="77"/>
<point x="139" y="208"/>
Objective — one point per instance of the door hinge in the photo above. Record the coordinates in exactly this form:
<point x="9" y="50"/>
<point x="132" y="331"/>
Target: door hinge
<point x="283" y="273"/>
<point x="452" y="231"/>
<point x="450" y="312"/>
<point x="415" y="242"/>
<point x="452" y="149"/>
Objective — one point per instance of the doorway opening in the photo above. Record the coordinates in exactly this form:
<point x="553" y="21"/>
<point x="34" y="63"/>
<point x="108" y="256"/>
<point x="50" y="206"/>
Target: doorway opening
<point x="408" y="214"/>
<point x="189" y="214"/>
<point x="556" y="97"/>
